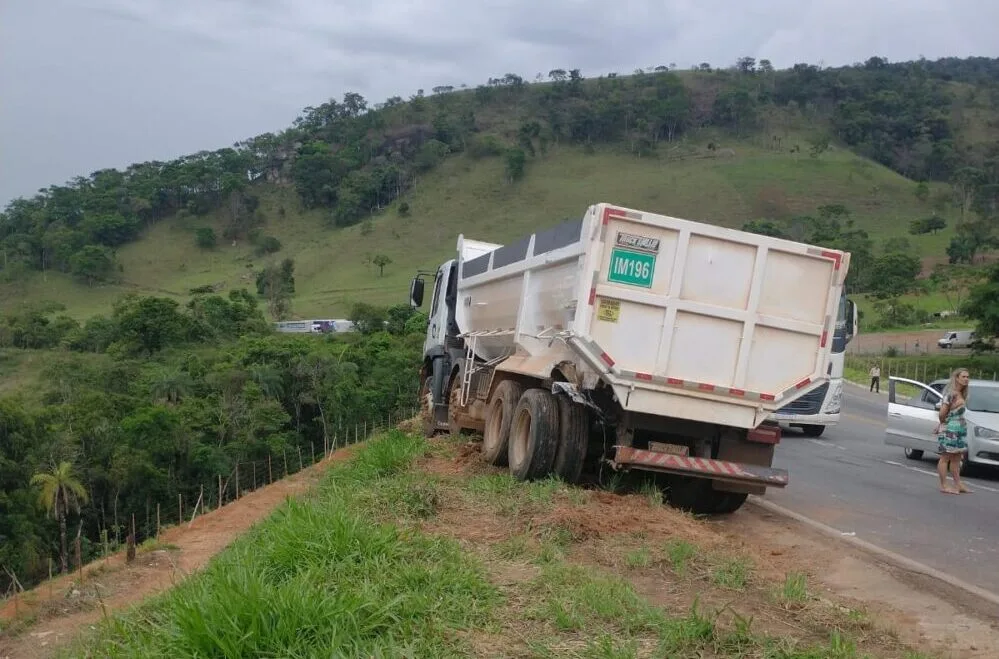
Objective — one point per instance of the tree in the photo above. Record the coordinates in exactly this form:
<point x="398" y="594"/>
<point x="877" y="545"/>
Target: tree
<point x="765" y="228"/>
<point x="380" y="261"/>
<point x="367" y="318"/>
<point x="982" y="305"/>
<point x="931" y="224"/>
<point x="818" y="145"/>
<point x="60" y="492"/>
<point x="516" y="160"/>
<point x="93" y="263"/>
<point x="893" y="274"/>
<point x="922" y="191"/>
<point x="205" y="238"/>
<point x="277" y="284"/>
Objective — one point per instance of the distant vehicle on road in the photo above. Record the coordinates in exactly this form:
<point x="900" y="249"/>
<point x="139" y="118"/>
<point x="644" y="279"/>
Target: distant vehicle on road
<point x="911" y="423"/>
<point x="315" y="326"/>
<point x="957" y="339"/>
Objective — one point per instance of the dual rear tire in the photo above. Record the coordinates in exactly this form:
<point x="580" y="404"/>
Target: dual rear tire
<point x="535" y="433"/>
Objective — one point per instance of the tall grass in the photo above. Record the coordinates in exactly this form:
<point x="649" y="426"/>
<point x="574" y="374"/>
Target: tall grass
<point x="320" y="577"/>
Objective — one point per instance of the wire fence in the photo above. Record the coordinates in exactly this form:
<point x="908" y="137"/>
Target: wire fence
<point x="223" y="490"/>
<point x="912" y="369"/>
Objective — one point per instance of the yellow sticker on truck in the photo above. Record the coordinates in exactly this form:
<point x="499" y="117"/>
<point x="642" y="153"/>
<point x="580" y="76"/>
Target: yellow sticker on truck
<point x="609" y="310"/>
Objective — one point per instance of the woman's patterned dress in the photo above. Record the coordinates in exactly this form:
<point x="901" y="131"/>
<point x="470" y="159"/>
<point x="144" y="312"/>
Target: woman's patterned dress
<point x="951" y="437"/>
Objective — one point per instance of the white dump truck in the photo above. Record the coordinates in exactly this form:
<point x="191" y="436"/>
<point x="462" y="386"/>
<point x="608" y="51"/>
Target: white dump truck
<point x="632" y="341"/>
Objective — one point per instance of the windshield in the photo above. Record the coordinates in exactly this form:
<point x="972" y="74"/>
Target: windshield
<point x="983" y="399"/>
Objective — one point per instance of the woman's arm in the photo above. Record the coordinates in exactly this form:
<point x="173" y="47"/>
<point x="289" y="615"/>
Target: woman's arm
<point x="944" y="409"/>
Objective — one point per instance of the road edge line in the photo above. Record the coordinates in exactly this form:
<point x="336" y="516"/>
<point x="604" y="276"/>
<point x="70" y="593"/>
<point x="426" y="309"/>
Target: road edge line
<point x="886" y="555"/>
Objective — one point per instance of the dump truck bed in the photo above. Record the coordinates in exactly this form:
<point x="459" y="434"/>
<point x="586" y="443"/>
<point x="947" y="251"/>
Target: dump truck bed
<point x="681" y="318"/>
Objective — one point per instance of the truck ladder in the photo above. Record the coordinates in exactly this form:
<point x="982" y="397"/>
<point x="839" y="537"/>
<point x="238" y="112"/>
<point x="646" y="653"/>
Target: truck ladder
<point x="470" y="367"/>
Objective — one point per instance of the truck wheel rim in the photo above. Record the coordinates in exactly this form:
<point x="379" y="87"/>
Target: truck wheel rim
<point x="520" y="435"/>
<point x="494" y="421"/>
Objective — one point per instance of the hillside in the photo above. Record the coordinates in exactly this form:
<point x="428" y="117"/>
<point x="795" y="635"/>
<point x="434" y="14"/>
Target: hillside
<point x="400" y="181"/>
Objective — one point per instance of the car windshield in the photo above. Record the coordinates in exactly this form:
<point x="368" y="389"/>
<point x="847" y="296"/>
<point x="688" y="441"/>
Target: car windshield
<point x="983" y="399"/>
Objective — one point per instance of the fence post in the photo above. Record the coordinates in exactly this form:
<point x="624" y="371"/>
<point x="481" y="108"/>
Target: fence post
<point x="284" y="454"/>
<point x="300" y="458"/>
<point x="157" y="520"/>
<point x="254" y="464"/>
<point x="220" y="490"/>
<point x="180" y="508"/>
<point x="313" y="452"/>
<point x="237" y="480"/>
<point x="270" y="474"/>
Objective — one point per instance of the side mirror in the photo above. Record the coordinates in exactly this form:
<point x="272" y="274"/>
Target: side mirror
<point x="851" y="319"/>
<point x="416" y="292"/>
<point x="937" y="406"/>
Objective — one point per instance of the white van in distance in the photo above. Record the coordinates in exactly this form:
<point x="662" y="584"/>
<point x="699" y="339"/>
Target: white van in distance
<point x="958" y="339"/>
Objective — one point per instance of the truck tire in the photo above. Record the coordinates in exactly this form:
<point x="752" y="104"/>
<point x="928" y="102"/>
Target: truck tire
<point x="533" y="435"/>
<point x="730" y="502"/>
<point x="429" y="423"/>
<point x="698" y="496"/>
<point x="813" y="431"/>
<point x="573" y="439"/>
<point x="496" y="436"/>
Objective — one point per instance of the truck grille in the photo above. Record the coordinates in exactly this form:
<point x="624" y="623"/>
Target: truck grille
<point x="810" y="403"/>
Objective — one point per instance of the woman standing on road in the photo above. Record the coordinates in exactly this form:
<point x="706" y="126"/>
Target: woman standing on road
<point x="951" y="432"/>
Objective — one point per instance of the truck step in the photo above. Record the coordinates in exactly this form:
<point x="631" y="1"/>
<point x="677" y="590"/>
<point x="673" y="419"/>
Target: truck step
<point x="735" y="472"/>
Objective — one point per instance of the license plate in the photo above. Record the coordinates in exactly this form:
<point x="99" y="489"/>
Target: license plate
<point x="672" y="449"/>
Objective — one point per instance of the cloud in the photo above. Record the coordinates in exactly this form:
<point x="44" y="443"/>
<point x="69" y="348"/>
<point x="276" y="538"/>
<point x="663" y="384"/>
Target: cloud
<point x="89" y="84"/>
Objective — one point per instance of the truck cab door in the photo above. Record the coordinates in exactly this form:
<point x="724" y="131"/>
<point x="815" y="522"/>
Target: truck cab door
<point x="437" y="320"/>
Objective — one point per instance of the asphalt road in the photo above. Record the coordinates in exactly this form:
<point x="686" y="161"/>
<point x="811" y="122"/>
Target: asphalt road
<point x="849" y="480"/>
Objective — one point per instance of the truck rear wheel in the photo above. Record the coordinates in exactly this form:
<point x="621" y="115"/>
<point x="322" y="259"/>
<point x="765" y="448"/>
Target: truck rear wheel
<point x="496" y="437"/>
<point x="698" y="496"/>
<point x="813" y="431"/>
<point x="573" y="439"/>
<point x="533" y="435"/>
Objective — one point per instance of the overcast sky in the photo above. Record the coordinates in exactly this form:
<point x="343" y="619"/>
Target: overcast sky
<point x="89" y="84"/>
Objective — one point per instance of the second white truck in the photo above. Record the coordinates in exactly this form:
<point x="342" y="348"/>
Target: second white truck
<point x="631" y="340"/>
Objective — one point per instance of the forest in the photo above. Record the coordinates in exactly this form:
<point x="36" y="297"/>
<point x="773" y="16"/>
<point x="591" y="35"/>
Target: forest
<point x="351" y="159"/>
<point x="157" y="401"/>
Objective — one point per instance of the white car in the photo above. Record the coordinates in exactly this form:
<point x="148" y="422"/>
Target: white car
<point x="911" y="422"/>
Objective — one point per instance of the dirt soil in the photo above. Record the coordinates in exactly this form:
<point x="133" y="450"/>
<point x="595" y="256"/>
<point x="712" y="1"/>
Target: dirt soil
<point x="606" y="531"/>
<point x="884" y="607"/>
<point x="46" y="618"/>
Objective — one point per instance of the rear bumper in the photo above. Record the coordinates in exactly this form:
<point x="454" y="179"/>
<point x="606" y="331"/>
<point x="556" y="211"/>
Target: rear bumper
<point x="723" y="470"/>
<point x="805" y="419"/>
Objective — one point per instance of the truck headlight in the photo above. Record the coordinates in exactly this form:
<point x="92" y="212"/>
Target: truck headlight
<point x="835" y="403"/>
<point x="986" y="433"/>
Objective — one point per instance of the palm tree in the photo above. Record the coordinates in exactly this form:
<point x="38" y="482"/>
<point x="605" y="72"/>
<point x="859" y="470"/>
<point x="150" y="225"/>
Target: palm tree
<point x="60" y="492"/>
<point x="171" y="385"/>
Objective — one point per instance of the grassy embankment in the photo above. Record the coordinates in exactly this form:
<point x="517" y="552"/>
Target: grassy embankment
<point x="398" y="553"/>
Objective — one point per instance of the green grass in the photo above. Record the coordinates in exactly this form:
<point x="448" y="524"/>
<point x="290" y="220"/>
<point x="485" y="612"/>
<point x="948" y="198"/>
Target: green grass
<point x="320" y="577"/>
<point x="680" y="553"/>
<point x="345" y="572"/>
<point x="472" y="197"/>
<point x="794" y="592"/>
